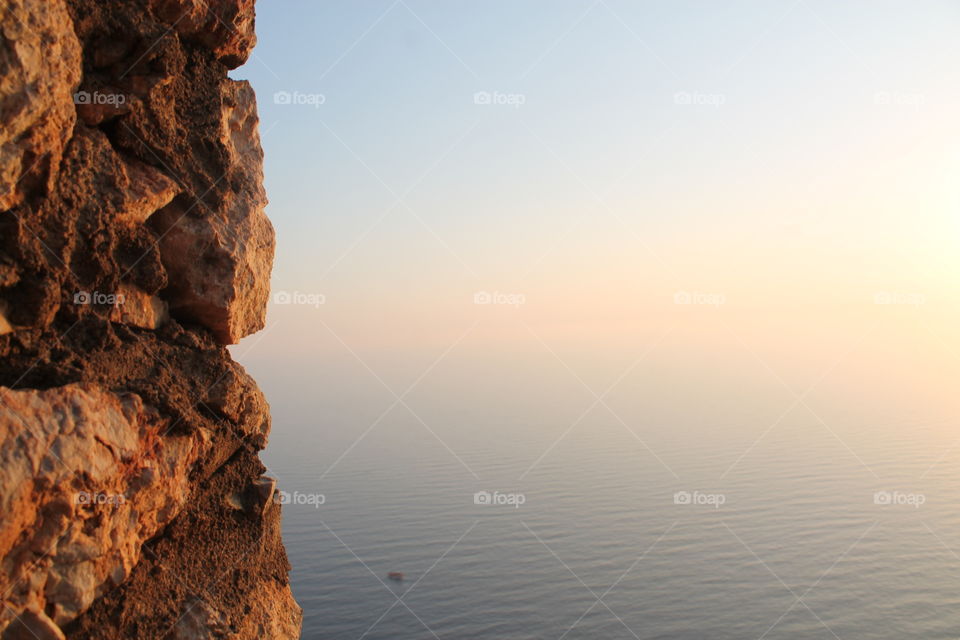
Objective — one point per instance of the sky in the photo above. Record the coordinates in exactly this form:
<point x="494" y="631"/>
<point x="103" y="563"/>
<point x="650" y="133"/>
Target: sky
<point x="583" y="176"/>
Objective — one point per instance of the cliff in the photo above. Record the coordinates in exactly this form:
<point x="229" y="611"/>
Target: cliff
<point x="133" y="248"/>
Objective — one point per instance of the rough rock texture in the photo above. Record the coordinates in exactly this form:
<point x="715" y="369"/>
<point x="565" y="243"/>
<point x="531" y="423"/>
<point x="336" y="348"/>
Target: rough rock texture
<point x="39" y="71"/>
<point x="88" y="477"/>
<point x="218" y="261"/>
<point x="223" y="26"/>
<point x="133" y="246"/>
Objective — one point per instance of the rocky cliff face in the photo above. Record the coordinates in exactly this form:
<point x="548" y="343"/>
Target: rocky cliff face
<point x="133" y="247"/>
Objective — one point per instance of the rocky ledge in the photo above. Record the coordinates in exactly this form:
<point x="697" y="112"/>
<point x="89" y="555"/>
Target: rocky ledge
<point x="133" y="248"/>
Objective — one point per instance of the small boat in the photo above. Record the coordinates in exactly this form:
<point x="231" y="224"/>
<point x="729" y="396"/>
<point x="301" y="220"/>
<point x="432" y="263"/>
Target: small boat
<point x="395" y="575"/>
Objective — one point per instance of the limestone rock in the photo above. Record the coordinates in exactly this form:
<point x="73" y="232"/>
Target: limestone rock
<point x="210" y="572"/>
<point x="39" y="71"/>
<point x="146" y="190"/>
<point x="33" y="624"/>
<point x="236" y="396"/>
<point x="131" y="172"/>
<point x="224" y="26"/>
<point x="86" y="476"/>
<point x="219" y="260"/>
<point x="138" y="308"/>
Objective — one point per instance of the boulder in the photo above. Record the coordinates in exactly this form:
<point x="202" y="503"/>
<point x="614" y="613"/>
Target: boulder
<point x="86" y="477"/>
<point x="145" y="190"/>
<point x="33" y="624"/>
<point x="138" y="308"/>
<point x="219" y="259"/>
<point x="39" y="72"/>
<point x="226" y="27"/>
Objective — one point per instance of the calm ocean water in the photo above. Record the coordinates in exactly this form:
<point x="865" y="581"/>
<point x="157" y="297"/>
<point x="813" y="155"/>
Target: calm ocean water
<point x="706" y="502"/>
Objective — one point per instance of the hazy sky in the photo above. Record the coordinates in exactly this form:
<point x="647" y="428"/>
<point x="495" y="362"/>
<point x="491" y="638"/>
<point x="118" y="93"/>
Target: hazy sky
<point x="791" y="159"/>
